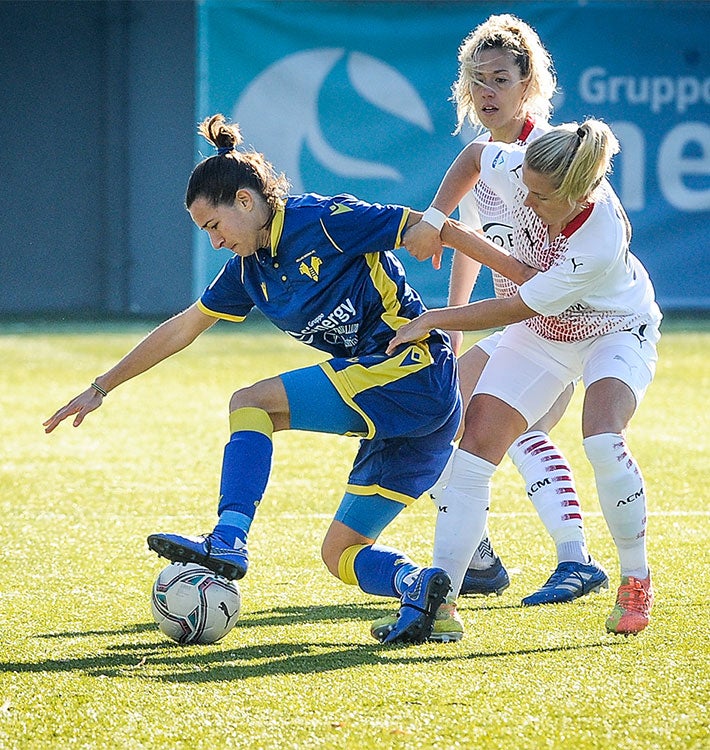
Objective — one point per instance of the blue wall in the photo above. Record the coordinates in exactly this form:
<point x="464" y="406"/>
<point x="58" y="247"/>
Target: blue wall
<point x="101" y="101"/>
<point x="354" y="97"/>
<point x="96" y="124"/>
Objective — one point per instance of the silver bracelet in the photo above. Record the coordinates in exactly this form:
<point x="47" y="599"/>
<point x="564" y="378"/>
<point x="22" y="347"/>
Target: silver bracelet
<point x="99" y="389"/>
<point x="435" y="217"/>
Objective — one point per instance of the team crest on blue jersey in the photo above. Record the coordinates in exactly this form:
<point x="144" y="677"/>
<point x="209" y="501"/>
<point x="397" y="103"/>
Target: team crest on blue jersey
<point x="310" y="267"/>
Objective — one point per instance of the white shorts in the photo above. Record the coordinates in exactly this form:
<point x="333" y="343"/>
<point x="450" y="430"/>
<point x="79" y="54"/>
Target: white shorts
<point x="529" y="372"/>
<point x="489" y="343"/>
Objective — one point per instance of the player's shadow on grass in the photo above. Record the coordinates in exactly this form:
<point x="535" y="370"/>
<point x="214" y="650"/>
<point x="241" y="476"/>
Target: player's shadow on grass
<point x="142" y="627"/>
<point x="203" y="664"/>
<point x="365" y="611"/>
<point x="162" y="660"/>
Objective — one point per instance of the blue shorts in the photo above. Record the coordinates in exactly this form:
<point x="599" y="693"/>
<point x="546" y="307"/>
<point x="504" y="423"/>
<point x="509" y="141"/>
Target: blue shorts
<point x="406" y="406"/>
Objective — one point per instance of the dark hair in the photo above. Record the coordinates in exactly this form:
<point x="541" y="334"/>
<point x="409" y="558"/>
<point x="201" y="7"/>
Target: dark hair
<point x="218" y="178"/>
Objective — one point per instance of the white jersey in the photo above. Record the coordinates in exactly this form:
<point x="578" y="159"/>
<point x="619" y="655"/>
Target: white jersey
<point x="590" y="284"/>
<point x="484" y="210"/>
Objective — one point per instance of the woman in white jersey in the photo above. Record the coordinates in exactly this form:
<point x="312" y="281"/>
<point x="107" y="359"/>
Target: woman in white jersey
<point x="589" y="311"/>
<point x="505" y="85"/>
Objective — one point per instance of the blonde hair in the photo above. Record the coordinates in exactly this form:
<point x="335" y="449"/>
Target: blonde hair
<point x="575" y="158"/>
<point x="509" y="33"/>
<point x="218" y="178"/>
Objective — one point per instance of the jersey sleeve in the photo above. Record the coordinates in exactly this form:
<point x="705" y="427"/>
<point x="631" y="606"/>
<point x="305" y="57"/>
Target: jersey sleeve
<point x="500" y="168"/>
<point x="577" y="274"/>
<point x="226" y="297"/>
<point x="355" y="227"/>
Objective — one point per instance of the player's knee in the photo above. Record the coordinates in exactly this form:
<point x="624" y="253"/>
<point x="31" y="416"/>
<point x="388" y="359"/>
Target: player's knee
<point x="268" y="395"/>
<point x="331" y="556"/>
<point x="246" y="397"/>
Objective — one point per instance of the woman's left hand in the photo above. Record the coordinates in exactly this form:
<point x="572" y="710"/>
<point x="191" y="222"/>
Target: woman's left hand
<point x="422" y="242"/>
<point x="413" y="331"/>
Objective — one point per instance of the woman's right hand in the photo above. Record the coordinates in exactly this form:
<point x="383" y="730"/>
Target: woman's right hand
<point x="82" y="405"/>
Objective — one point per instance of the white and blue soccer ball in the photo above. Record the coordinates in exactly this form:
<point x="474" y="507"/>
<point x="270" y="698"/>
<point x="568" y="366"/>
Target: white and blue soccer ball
<point x="191" y="604"/>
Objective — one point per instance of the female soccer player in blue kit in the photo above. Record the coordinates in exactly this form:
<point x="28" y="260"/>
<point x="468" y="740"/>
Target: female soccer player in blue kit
<point x="322" y="270"/>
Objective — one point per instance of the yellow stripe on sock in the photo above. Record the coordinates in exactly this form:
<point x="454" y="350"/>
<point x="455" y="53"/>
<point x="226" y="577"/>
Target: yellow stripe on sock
<point x="251" y="418"/>
<point x="346" y="564"/>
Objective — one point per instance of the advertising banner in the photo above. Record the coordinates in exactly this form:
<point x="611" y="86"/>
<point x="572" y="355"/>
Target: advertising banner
<point x="355" y="97"/>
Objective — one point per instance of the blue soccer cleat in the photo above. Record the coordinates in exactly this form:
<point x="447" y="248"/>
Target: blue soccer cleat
<point x="493" y="580"/>
<point x="208" y="550"/>
<point x="569" y="581"/>
<point x="419" y="605"/>
<point x="448" y="625"/>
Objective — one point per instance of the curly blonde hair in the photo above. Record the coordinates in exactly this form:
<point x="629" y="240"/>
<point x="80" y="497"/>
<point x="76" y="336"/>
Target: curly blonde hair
<point x="509" y="33"/>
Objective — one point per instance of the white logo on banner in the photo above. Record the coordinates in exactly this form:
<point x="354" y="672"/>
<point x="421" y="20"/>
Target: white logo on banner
<point x="278" y="111"/>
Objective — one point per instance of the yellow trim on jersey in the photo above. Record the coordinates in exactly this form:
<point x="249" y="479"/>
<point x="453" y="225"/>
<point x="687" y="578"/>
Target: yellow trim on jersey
<point x="357" y="378"/>
<point x="376" y="489"/>
<point x="402" y="225"/>
<point x="251" y="418"/>
<point x="346" y="564"/>
<point x="388" y="292"/>
<point x="221" y="316"/>
<point x="277" y="227"/>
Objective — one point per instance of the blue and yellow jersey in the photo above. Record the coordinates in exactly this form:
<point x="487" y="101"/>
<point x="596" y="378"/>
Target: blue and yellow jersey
<point x="329" y="279"/>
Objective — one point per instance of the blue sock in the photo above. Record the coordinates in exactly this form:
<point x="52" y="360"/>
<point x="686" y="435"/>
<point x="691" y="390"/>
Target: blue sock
<point x="383" y="571"/>
<point x="233" y="526"/>
<point x="246" y="467"/>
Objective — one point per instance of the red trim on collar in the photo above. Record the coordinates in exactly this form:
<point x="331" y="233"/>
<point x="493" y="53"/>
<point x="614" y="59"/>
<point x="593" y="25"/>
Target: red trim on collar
<point x="577" y="222"/>
<point x="528" y="126"/>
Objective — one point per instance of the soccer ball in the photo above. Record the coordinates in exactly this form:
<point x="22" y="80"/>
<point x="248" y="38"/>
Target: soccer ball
<point x="191" y="604"/>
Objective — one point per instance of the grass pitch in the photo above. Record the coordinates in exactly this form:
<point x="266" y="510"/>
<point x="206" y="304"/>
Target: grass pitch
<point x="84" y="666"/>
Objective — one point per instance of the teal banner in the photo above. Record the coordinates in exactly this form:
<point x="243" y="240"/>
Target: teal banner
<point x="355" y="97"/>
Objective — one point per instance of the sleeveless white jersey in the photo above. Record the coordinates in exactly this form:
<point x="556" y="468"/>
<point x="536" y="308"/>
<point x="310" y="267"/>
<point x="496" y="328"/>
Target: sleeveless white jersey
<point x="484" y="210"/>
<point x="590" y="284"/>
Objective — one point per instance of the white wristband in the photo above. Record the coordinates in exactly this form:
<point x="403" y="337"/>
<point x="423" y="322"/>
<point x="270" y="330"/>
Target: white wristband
<point x="435" y="217"/>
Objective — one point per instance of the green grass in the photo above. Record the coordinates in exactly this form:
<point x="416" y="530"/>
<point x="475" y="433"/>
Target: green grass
<point x="84" y="666"/>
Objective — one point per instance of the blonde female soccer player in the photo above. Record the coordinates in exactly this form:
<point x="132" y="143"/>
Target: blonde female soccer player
<point x="505" y="85"/>
<point x="588" y="312"/>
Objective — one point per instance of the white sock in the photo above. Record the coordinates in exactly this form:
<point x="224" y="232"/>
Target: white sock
<point x="463" y="512"/>
<point x="441" y="482"/>
<point x="622" y="498"/>
<point x="484" y="555"/>
<point x="549" y="484"/>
